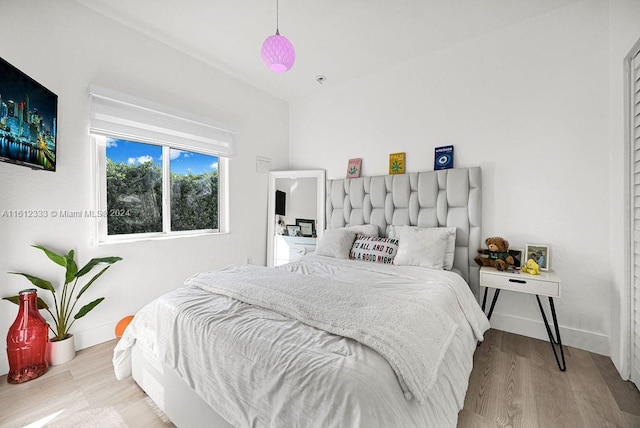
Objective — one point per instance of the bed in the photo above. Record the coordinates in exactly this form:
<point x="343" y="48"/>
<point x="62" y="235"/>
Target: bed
<point x="329" y="340"/>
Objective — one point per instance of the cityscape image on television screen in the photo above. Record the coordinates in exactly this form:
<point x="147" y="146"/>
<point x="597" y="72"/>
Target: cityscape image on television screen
<point x="28" y="114"/>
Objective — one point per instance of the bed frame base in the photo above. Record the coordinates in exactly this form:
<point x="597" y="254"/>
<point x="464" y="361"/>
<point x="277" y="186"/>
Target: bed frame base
<point x="171" y="394"/>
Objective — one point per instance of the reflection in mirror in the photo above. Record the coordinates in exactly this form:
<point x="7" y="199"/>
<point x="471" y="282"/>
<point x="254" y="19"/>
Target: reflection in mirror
<point x="296" y="214"/>
<point x="300" y="199"/>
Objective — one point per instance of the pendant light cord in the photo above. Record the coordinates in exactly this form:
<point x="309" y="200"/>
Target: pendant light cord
<point x="277" y="18"/>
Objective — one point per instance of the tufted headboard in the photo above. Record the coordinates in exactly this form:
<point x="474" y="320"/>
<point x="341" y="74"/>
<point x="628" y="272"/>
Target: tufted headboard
<point x="449" y="197"/>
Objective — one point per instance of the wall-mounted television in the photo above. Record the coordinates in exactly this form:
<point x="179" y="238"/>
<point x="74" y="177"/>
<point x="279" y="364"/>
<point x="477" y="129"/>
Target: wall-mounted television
<point x="281" y="202"/>
<point x="28" y="116"/>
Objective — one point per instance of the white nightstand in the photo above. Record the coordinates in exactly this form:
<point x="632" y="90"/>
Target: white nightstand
<point x="545" y="284"/>
<point x="291" y="248"/>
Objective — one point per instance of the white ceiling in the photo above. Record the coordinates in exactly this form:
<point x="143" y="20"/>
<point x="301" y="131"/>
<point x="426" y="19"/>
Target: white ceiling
<point x="340" y="39"/>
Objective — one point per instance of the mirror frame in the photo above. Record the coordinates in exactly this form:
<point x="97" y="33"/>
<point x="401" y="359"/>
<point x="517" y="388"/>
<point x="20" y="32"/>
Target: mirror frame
<point x="319" y="175"/>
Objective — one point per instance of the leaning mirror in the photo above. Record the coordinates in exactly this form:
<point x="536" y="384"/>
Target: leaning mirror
<point x="296" y="214"/>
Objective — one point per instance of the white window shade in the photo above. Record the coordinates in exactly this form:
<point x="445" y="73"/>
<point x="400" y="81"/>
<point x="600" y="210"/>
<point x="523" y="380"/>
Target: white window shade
<point x="114" y="114"/>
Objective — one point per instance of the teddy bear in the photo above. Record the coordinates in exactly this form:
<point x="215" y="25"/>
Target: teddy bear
<point x="496" y="254"/>
<point x="531" y="267"/>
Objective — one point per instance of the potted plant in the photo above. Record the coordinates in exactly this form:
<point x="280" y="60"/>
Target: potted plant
<point x="62" y="344"/>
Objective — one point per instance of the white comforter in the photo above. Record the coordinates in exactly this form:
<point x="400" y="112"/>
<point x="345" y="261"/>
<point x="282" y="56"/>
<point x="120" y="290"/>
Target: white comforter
<point x="257" y="367"/>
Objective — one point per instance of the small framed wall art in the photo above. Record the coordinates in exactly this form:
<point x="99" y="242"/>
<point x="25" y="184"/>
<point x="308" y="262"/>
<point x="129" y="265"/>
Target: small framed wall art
<point x="539" y="253"/>
<point x="443" y="158"/>
<point x="354" y="167"/>
<point x="396" y="163"/>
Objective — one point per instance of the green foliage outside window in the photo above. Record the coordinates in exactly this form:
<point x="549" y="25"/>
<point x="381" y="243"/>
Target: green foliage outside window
<point x="194" y="201"/>
<point x="134" y="199"/>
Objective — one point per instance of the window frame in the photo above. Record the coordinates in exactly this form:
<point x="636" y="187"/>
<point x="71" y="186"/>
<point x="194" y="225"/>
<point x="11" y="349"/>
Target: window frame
<point x="100" y="194"/>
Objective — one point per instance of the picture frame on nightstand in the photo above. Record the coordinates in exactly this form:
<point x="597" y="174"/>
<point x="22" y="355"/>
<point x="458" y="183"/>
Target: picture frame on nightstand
<point x="307" y="227"/>
<point x="517" y="254"/>
<point x="293" y="230"/>
<point x="540" y="253"/>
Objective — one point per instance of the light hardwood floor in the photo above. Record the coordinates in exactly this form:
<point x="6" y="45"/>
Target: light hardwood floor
<point x="515" y="383"/>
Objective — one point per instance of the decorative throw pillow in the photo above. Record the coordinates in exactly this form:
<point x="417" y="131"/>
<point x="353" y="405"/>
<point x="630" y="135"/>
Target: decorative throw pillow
<point x="425" y="247"/>
<point x="374" y="249"/>
<point x="397" y="233"/>
<point x="335" y="243"/>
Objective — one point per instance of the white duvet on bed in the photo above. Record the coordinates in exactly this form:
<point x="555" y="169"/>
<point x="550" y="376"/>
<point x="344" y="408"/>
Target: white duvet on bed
<point x="259" y="368"/>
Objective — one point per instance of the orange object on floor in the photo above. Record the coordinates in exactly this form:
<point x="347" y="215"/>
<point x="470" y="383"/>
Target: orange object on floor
<point x="122" y="325"/>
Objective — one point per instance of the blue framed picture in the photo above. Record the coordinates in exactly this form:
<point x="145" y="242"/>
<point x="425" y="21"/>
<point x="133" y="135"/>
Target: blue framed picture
<point x="443" y="158"/>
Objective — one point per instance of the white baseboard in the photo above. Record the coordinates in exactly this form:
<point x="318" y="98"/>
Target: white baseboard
<point x="583" y="339"/>
<point x="4" y="366"/>
<point x="96" y="335"/>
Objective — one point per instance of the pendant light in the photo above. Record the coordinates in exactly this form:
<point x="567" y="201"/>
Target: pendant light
<point x="277" y="51"/>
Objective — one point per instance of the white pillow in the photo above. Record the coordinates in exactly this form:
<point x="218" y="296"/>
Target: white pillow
<point x="336" y="243"/>
<point x="364" y="229"/>
<point x="395" y="231"/>
<point x="432" y="247"/>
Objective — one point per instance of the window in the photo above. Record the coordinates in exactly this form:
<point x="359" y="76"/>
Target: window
<point x="141" y="197"/>
<point x="133" y="187"/>
<point x="158" y="172"/>
<point x="194" y="191"/>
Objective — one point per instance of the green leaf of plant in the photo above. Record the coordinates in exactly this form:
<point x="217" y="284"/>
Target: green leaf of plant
<point x="56" y="258"/>
<point x="72" y="268"/>
<point x="42" y="304"/>
<point x="88" y="307"/>
<point x="16" y="299"/>
<point x="40" y="283"/>
<point x="91" y="282"/>
<point x="97" y="261"/>
<point x="12" y="299"/>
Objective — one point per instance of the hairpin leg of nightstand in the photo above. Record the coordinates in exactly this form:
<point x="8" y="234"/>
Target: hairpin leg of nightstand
<point x="496" y="293"/>
<point x="553" y="340"/>
<point x="484" y="299"/>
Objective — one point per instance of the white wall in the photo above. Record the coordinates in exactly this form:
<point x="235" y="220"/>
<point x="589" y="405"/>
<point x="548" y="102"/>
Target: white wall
<point x="530" y="105"/>
<point x="65" y="47"/>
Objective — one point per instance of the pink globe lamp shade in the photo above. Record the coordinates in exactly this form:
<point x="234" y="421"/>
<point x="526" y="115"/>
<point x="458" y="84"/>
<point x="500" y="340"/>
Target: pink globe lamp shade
<point x="278" y="53"/>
